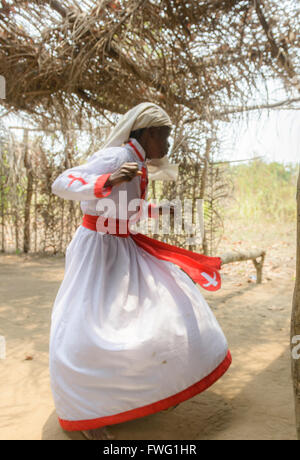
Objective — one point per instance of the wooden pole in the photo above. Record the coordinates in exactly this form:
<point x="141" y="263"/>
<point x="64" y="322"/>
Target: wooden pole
<point x="295" y="323"/>
<point x="2" y="201"/>
<point x="35" y="215"/>
<point x="203" y="188"/>
<point x="29" y="191"/>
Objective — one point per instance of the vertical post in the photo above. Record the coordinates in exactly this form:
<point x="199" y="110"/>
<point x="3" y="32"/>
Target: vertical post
<point x="2" y="199"/>
<point x="153" y="190"/>
<point x="195" y="168"/>
<point x="29" y="190"/>
<point x="16" y="222"/>
<point x="35" y="216"/>
<point x="295" y="322"/>
<point x="70" y="204"/>
<point x="203" y="187"/>
<point x="259" y="268"/>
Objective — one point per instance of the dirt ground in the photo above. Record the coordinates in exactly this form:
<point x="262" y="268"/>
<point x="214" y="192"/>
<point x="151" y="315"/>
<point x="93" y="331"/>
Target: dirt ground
<point x="253" y="400"/>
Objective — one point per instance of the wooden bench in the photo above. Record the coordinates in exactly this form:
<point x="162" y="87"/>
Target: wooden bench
<point x="253" y="255"/>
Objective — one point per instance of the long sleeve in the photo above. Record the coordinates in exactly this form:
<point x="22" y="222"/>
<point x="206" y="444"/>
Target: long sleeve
<point x="87" y="181"/>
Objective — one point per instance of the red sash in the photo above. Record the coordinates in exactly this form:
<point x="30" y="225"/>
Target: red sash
<point x="202" y="269"/>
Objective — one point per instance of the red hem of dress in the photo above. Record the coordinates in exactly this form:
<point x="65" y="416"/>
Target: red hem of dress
<point x="198" y="387"/>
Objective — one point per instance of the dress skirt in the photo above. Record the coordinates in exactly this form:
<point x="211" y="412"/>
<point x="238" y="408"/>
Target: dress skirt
<point x="130" y="334"/>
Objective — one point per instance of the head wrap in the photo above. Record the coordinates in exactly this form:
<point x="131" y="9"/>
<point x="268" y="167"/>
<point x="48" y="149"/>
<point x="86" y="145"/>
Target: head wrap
<point x="144" y="115"/>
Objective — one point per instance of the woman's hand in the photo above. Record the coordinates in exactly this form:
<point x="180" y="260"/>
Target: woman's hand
<point x="124" y="174"/>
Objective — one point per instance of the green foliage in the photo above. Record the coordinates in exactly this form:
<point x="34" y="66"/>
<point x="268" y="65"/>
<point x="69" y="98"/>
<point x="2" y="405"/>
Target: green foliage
<point x="264" y="191"/>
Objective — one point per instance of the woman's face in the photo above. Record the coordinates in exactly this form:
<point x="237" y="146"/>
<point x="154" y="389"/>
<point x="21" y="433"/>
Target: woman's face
<point x="156" y="142"/>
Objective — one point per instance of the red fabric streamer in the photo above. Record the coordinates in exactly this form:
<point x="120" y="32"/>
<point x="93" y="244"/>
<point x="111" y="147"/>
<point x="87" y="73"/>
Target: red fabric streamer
<point x="202" y="269"/>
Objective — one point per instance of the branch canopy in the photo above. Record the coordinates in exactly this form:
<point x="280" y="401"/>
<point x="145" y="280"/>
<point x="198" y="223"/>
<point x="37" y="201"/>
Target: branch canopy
<point x="96" y="56"/>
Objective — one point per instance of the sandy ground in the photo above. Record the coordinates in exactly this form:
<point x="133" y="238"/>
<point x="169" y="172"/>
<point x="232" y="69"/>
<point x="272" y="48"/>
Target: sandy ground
<point x="253" y="400"/>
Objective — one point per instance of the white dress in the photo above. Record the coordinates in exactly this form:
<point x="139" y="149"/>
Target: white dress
<point x="130" y="334"/>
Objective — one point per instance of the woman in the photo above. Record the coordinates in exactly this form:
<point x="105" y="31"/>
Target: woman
<point x="131" y="334"/>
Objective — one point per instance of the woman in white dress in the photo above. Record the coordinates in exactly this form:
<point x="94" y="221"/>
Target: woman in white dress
<point x="131" y="334"/>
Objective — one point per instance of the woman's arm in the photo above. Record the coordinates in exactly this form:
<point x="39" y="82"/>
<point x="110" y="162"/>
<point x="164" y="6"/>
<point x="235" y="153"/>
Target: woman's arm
<point x="94" y="179"/>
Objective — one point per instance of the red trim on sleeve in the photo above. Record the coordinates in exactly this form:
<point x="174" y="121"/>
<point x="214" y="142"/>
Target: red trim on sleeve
<point x="100" y="185"/>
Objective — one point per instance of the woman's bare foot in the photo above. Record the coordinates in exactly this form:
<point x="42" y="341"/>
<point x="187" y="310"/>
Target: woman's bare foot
<point x="98" y="434"/>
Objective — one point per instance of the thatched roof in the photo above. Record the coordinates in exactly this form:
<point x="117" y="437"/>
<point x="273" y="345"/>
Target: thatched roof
<point x="88" y="57"/>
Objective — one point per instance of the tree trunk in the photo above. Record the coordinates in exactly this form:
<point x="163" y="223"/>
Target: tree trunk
<point x="29" y="191"/>
<point x="295" y="323"/>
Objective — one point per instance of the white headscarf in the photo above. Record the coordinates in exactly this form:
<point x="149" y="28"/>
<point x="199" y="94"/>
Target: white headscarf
<point x="144" y="115"/>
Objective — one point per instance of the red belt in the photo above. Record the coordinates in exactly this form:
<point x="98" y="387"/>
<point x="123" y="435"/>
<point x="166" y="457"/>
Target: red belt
<point x="202" y="269"/>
